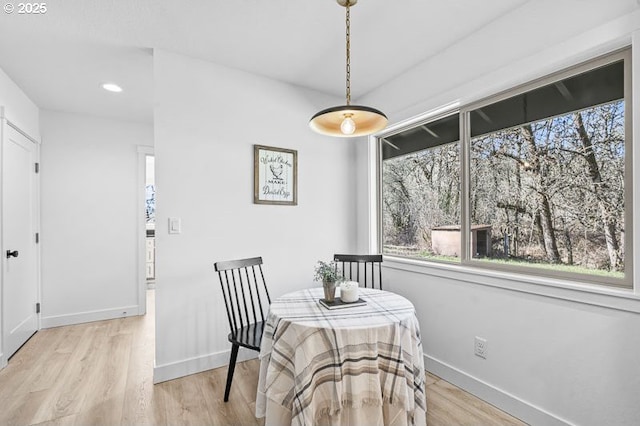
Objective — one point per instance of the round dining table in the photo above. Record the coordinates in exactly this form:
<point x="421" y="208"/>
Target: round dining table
<point x="358" y="364"/>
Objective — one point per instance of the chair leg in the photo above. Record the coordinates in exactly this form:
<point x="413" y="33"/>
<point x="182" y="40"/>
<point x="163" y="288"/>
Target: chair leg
<point x="232" y="367"/>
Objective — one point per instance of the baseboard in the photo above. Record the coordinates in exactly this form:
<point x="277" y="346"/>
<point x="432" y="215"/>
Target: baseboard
<point x="3" y="361"/>
<point x="508" y="403"/>
<point x="174" y="370"/>
<point x="89" y="316"/>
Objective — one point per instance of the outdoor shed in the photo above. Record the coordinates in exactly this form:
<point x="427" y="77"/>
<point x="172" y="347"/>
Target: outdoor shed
<point x="445" y="240"/>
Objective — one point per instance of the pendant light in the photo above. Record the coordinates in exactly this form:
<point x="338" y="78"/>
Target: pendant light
<point x="348" y="120"/>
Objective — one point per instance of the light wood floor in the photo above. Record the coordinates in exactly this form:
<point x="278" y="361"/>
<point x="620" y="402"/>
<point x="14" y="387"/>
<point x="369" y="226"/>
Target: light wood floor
<point x="101" y="373"/>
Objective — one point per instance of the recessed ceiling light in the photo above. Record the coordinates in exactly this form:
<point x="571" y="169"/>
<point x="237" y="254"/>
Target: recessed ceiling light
<point x="111" y="87"/>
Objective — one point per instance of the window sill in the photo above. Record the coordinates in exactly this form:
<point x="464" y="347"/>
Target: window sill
<point x="607" y="297"/>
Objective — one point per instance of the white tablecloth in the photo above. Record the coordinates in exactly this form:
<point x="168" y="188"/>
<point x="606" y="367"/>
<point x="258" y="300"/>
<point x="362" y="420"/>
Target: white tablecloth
<point x="357" y="365"/>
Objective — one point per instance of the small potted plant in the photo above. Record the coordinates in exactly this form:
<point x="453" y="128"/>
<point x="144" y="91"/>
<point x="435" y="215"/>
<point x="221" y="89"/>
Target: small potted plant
<point x="328" y="274"/>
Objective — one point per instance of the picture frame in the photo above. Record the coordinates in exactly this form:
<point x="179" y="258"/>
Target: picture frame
<point x="275" y="175"/>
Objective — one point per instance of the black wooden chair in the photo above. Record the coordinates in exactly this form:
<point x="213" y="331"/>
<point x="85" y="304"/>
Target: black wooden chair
<point x="247" y="300"/>
<point x="367" y="263"/>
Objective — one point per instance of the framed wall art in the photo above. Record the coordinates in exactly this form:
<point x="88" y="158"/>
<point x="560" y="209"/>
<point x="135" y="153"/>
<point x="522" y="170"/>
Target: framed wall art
<point x="275" y="175"/>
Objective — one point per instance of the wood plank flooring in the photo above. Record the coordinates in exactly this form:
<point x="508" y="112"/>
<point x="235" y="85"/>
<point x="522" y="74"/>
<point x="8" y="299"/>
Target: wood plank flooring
<point x="101" y="373"/>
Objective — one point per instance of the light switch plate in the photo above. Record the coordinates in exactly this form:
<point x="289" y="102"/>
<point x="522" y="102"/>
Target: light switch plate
<point x="175" y="225"/>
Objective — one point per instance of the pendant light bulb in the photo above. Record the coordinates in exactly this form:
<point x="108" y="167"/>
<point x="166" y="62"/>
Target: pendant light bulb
<point x="348" y="126"/>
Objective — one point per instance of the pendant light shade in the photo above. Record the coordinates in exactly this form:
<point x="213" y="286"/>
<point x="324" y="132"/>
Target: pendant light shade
<point x="348" y="120"/>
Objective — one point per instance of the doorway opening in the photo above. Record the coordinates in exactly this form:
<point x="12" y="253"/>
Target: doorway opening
<point x="150" y="222"/>
<point x="146" y="230"/>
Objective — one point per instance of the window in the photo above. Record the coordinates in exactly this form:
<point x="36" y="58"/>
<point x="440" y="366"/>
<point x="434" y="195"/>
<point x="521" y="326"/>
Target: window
<point x="537" y="181"/>
<point x="421" y="190"/>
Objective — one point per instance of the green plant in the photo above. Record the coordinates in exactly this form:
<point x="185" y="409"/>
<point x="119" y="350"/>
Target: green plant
<point x="326" y="272"/>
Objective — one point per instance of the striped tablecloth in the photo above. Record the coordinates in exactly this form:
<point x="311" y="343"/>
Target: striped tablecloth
<point x="317" y="364"/>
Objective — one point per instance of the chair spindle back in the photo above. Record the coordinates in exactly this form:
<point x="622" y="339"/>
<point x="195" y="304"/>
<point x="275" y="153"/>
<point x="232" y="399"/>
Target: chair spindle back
<point x="367" y="263"/>
<point x="244" y="290"/>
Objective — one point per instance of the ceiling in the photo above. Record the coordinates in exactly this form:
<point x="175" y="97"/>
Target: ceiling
<point x="61" y="58"/>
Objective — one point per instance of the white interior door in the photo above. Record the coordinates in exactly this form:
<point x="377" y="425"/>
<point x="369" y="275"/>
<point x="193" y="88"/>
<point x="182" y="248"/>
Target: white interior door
<point x="19" y="256"/>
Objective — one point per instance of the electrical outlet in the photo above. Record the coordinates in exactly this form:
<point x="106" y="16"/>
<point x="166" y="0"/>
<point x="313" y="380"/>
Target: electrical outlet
<point x="481" y="347"/>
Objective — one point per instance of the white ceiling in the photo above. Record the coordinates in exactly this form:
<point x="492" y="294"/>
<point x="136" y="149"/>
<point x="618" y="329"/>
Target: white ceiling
<point x="61" y="58"/>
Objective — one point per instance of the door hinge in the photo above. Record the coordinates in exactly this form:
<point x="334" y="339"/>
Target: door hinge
<point x="37" y="168"/>
<point x="37" y="237"/>
<point x="38" y="308"/>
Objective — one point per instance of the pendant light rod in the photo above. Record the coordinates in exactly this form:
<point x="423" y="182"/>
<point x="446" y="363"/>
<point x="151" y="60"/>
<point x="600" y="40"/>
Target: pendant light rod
<point x="348" y="35"/>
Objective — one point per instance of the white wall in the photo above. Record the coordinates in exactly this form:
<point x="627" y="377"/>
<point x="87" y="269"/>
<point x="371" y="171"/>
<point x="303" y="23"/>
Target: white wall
<point x="207" y="119"/>
<point x="552" y="359"/>
<point x="89" y="217"/>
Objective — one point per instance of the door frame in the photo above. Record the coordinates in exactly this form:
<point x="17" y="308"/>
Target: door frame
<point x="143" y="151"/>
<point x="4" y="124"/>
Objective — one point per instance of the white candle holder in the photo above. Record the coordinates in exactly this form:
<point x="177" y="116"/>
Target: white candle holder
<point x="349" y="291"/>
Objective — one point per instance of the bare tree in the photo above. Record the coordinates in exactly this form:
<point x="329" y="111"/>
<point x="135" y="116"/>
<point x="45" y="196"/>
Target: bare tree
<point x="534" y="166"/>
<point x="609" y="214"/>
